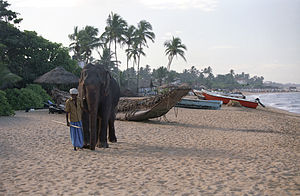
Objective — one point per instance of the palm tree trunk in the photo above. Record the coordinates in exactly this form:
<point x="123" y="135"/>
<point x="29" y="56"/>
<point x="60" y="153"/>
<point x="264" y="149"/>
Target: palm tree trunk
<point x="127" y="70"/>
<point x="119" y="79"/>
<point x="170" y="61"/>
<point x="138" y="75"/>
<point x="116" y="52"/>
<point x="109" y="46"/>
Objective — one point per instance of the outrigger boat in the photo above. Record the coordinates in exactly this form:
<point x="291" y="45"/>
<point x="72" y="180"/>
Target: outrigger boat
<point x="144" y="108"/>
<point x="226" y="99"/>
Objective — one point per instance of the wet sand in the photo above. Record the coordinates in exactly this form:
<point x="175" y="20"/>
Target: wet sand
<point x="232" y="151"/>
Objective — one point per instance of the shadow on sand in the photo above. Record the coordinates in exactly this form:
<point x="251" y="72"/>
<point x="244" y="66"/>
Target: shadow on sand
<point x="177" y="124"/>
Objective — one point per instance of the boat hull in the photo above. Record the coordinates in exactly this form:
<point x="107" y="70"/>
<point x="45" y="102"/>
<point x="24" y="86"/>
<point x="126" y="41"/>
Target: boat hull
<point x="225" y="99"/>
<point x="199" y="104"/>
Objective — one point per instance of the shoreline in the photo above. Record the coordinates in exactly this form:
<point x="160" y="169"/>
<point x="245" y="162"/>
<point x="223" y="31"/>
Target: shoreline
<point x="257" y="93"/>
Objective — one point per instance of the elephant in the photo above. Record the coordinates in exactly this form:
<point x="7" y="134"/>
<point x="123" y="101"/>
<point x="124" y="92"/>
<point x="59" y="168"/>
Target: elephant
<point x="100" y="94"/>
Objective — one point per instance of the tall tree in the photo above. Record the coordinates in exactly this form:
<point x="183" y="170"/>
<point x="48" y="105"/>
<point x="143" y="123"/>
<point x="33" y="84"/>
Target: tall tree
<point x="89" y="40"/>
<point x="145" y="73"/>
<point x="106" y="59"/>
<point x="135" y="52"/>
<point x="84" y="41"/>
<point x="160" y="74"/>
<point x="115" y="29"/>
<point x="75" y="46"/>
<point x="143" y="32"/>
<point x="174" y="47"/>
<point x="129" y="37"/>
<point x="7" y="15"/>
<point x="29" y="55"/>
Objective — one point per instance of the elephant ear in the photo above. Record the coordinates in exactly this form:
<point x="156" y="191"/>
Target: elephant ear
<point x="107" y="83"/>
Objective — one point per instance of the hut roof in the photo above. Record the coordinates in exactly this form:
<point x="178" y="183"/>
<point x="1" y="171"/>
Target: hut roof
<point x="58" y="75"/>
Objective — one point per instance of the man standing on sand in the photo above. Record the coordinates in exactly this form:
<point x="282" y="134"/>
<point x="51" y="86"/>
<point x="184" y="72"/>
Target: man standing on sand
<point x="73" y="110"/>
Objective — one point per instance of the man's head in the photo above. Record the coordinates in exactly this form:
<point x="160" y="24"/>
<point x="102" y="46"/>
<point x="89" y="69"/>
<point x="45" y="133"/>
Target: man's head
<point x="73" y="92"/>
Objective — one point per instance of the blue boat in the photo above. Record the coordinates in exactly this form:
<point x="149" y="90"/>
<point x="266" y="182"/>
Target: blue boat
<point x="199" y="104"/>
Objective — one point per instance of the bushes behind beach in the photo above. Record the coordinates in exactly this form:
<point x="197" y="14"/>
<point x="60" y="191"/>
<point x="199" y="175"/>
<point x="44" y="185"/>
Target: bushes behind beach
<point x="5" y="108"/>
<point x="33" y="96"/>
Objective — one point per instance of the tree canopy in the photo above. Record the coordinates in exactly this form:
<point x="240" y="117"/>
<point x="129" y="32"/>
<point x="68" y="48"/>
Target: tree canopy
<point x="174" y="47"/>
<point x="25" y="55"/>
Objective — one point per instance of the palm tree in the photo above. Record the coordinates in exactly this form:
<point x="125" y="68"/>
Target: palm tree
<point x="75" y="45"/>
<point x="129" y="37"/>
<point x="115" y="30"/>
<point x="174" y="47"/>
<point x="143" y="32"/>
<point x="89" y="41"/>
<point x="135" y="52"/>
<point x="106" y="60"/>
<point x="84" y="41"/>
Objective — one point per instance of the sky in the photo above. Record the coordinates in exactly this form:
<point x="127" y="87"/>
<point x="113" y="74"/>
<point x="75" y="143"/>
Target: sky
<point x="259" y="37"/>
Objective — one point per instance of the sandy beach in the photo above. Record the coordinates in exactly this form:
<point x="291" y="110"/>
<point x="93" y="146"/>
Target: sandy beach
<point x="232" y="151"/>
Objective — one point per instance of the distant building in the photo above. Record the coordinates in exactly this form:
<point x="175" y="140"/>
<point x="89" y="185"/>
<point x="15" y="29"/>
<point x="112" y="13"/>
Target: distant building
<point x="241" y="81"/>
<point x="292" y="88"/>
<point x="146" y="87"/>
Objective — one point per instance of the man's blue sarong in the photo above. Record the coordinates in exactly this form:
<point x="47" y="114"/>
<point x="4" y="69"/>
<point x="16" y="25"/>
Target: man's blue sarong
<point x="76" y="134"/>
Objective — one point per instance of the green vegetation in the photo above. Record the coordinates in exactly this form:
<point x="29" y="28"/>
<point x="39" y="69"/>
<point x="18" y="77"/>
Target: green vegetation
<point x="39" y="91"/>
<point x="201" y="78"/>
<point x="7" y="78"/>
<point x="33" y="96"/>
<point x="5" y="108"/>
<point x="24" y="56"/>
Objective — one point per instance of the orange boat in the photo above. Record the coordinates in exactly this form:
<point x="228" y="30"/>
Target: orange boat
<point x="226" y="99"/>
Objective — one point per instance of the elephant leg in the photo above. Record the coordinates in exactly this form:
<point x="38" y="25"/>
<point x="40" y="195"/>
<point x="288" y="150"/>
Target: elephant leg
<point x="103" y="133"/>
<point x="85" y="129"/>
<point x="111" y="123"/>
<point x="93" y="133"/>
<point x="98" y="131"/>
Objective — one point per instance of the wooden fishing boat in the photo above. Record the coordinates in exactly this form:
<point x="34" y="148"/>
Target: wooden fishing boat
<point x="199" y="104"/>
<point x="144" y="108"/>
<point x="226" y="99"/>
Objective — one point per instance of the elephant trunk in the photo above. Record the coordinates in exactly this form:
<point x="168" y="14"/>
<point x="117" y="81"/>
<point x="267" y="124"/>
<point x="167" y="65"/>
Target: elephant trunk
<point x="92" y="99"/>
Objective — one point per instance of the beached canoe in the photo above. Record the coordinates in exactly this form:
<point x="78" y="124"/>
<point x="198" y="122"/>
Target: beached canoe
<point x="199" y="104"/>
<point x="144" y="108"/>
<point x="226" y="99"/>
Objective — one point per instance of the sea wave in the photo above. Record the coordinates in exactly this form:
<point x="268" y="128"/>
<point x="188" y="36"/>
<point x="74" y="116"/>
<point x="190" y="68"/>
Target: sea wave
<point x="286" y="101"/>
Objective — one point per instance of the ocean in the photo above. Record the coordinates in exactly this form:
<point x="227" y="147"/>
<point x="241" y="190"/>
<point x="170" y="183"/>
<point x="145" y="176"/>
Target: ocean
<point x="286" y="101"/>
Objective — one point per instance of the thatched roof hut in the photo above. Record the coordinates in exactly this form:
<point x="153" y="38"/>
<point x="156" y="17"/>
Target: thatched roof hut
<point x="57" y="76"/>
